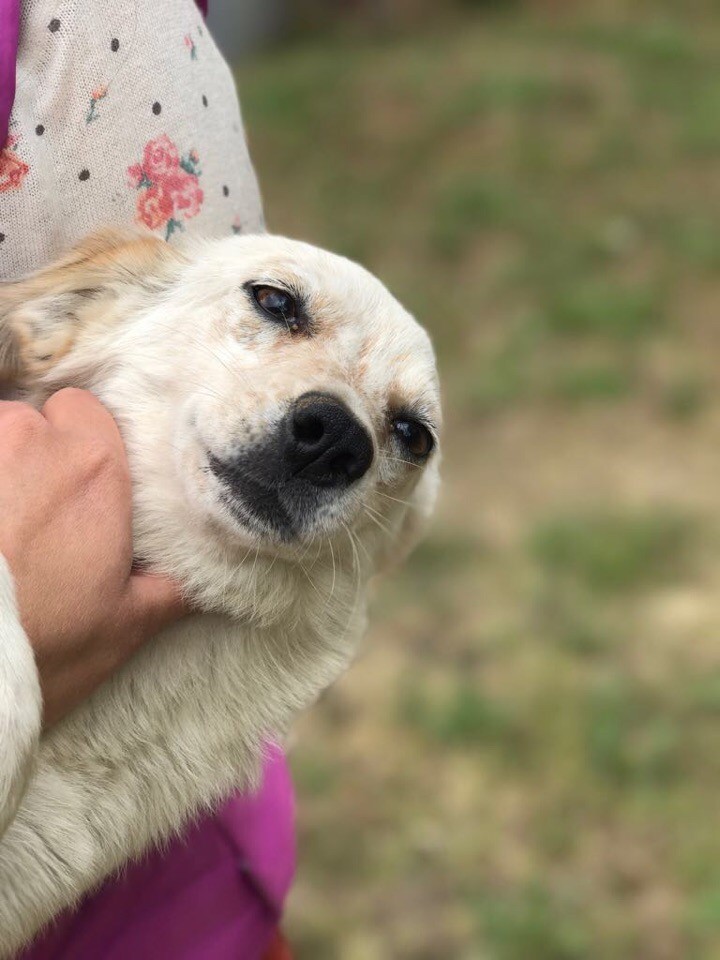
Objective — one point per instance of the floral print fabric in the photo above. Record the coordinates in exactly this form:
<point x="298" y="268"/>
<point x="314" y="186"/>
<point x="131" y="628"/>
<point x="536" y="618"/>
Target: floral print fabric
<point x="124" y="113"/>
<point x="168" y="186"/>
<point x="12" y="169"/>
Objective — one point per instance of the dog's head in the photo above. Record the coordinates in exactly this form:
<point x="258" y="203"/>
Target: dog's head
<point x="281" y="389"/>
<point x="324" y="401"/>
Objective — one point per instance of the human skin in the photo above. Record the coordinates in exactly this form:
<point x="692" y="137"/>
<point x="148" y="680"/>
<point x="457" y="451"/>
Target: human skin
<point x="65" y="532"/>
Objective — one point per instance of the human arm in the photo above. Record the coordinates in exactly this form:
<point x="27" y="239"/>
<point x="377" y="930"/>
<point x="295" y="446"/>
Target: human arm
<point x="72" y="609"/>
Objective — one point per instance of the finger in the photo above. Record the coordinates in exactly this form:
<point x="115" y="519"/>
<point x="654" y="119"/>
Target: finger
<point x="155" y="602"/>
<point x="11" y="409"/>
<point x="80" y="412"/>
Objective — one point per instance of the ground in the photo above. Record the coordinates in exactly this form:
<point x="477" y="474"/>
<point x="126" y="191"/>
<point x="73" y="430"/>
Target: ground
<point x="525" y="760"/>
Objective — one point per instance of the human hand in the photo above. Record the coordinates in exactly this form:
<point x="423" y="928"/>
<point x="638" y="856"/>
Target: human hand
<point x="65" y="531"/>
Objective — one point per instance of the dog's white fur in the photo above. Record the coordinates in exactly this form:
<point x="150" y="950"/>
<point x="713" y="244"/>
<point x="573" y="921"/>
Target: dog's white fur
<point x="172" y="345"/>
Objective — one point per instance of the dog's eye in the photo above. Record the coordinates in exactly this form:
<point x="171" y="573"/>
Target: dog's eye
<point x="279" y="305"/>
<point x="414" y="436"/>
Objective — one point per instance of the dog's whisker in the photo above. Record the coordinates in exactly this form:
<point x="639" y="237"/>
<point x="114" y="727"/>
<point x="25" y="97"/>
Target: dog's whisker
<point x="334" y="571"/>
<point x="385" y="529"/>
<point x="357" y="566"/>
<point x="318" y="552"/>
<point x="404" y="503"/>
<point x="253" y="577"/>
<point x="309" y="579"/>
<point x="306" y="550"/>
<point x="409" y="463"/>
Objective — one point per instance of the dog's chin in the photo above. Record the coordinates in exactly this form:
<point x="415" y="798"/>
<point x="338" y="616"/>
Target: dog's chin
<point x="260" y="511"/>
<point x="276" y="518"/>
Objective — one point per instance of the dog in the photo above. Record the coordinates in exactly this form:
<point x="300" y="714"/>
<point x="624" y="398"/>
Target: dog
<point x="280" y="412"/>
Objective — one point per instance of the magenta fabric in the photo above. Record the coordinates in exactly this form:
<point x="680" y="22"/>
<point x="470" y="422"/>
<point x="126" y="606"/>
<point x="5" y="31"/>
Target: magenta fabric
<point x="215" y="893"/>
<point x="9" y="25"/>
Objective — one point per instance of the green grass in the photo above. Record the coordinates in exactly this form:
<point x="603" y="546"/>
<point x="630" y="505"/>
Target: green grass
<point x="697" y="239"/>
<point x="610" y="553"/>
<point x="698" y="127"/>
<point x="463" y="717"/>
<point x="704" y="694"/>
<point x="658" y="42"/>
<point x="533" y="922"/>
<point x="463" y="207"/>
<point x="592" y="382"/>
<point x="629" y="738"/>
<point x="684" y="398"/>
<point x="603" y="309"/>
<point x="316" y="777"/>
<point x="438" y="555"/>
<point x="703" y="916"/>
<point x="523" y="762"/>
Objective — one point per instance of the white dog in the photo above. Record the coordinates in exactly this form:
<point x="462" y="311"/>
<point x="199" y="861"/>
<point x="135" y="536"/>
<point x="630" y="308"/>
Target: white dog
<point x="280" y="411"/>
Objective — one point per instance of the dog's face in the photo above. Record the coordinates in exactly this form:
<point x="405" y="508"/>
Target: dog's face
<point x="313" y="403"/>
<point x="300" y="399"/>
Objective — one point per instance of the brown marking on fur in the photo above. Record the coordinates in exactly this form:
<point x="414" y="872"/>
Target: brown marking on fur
<point x="42" y="316"/>
<point x="362" y="364"/>
<point x="397" y="398"/>
<point x="10" y="354"/>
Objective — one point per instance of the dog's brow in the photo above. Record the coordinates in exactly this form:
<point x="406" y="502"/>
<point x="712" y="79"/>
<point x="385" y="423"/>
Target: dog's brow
<point x="418" y="412"/>
<point x="291" y="284"/>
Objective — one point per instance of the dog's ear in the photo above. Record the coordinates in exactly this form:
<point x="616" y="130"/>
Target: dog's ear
<point x="10" y="360"/>
<point x="43" y="315"/>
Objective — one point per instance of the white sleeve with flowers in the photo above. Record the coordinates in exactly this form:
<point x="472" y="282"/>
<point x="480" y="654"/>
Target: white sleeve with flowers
<point x="125" y="113"/>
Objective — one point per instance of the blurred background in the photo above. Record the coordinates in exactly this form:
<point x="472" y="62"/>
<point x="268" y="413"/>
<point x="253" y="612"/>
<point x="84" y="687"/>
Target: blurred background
<point x="524" y="763"/>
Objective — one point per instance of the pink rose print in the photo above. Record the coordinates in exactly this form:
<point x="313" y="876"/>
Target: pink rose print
<point x="13" y="170"/>
<point x="135" y="175"/>
<point x="160" y="157"/>
<point x="154" y="206"/>
<point x="186" y="193"/>
<point x="168" y="186"/>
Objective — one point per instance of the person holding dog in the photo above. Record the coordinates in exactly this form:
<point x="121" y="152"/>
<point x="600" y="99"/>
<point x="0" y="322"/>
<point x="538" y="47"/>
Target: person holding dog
<point x="123" y="113"/>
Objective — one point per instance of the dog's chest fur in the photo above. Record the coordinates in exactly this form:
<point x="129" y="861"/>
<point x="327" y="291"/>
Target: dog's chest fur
<point x="184" y="722"/>
<point x="182" y="725"/>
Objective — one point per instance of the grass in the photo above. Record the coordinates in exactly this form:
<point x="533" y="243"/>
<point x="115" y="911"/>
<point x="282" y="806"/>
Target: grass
<point x="595" y="382"/>
<point x="608" y="552"/>
<point x="604" y="309"/>
<point x="523" y="761"/>
<point x="533" y="923"/>
<point x="630" y="740"/>
<point x="684" y="398"/>
<point x="463" y="717"/>
<point x="466" y="205"/>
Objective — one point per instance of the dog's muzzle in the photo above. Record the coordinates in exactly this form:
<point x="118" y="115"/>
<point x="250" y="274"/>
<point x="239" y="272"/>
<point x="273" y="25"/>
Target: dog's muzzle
<point x="318" y="450"/>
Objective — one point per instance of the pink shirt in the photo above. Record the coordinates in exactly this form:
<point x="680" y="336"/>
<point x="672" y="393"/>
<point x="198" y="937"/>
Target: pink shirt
<point x="215" y="893"/>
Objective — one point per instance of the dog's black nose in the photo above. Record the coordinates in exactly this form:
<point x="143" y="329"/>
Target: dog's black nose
<point x="326" y="444"/>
